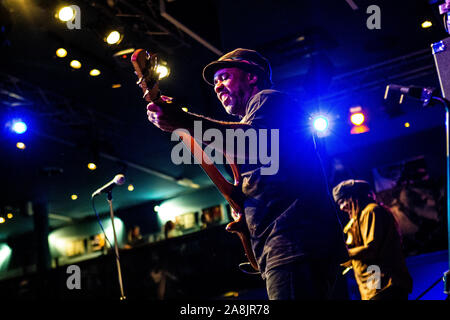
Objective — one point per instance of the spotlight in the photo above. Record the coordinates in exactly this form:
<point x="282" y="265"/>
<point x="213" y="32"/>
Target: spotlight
<point x="66" y="14"/>
<point x="124" y="53"/>
<point x="9" y="215"/>
<point x="320" y="123"/>
<point x="156" y="208"/>
<point x="61" y="52"/>
<point x="94" y="72"/>
<point x="122" y="57"/>
<point x="18" y="126"/>
<point x="92" y="166"/>
<point x="130" y="187"/>
<point x="114" y="37"/>
<point x="2" y="220"/>
<point x="74" y="197"/>
<point x="163" y="70"/>
<point x="358" y="119"/>
<point x="427" y="24"/>
<point x="407" y="124"/>
<point x="20" y="145"/>
<point x="75" y="64"/>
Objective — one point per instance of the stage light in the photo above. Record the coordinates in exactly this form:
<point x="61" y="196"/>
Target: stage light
<point x="20" y="145"/>
<point x="320" y="123"/>
<point x="357" y="118"/>
<point x="94" y="72"/>
<point x="5" y="256"/>
<point x="122" y="57"/>
<point x="61" y="52"/>
<point x="9" y="215"/>
<point x="162" y="70"/>
<point x="2" y="220"/>
<point x="18" y="126"/>
<point x="74" y="197"/>
<point x="66" y="14"/>
<point x="130" y="187"/>
<point x="75" y="64"/>
<point x="407" y="124"/>
<point x="184" y="109"/>
<point x="427" y="24"/>
<point x="118" y="226"/>
<point x="114" y="37"/>
<point x="116" y="85"/>
<point x="156" y="208"/>
<point x="124" y="53"/>
<point x="92" y="166"/>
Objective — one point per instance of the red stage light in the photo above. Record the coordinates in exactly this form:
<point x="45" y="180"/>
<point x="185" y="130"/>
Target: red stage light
<point x="358" y="118"/>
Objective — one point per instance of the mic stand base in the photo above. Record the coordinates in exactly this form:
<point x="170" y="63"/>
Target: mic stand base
<point x="116" y="247"/>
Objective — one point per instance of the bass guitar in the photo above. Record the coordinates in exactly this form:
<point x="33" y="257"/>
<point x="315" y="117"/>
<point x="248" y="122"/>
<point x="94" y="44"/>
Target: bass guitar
<point x="145" y="65"/>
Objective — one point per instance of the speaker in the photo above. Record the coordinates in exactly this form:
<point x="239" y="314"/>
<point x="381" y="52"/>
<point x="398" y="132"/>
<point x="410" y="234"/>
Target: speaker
<point x="441" y="53"/>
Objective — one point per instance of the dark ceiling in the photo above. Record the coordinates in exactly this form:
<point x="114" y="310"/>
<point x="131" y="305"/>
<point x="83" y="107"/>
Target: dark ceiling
<point x="322" y="52"/>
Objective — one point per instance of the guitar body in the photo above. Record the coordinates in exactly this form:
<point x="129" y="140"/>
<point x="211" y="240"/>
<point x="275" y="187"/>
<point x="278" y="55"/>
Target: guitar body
<point x="145" y="65"/>
<point x="239" y="227"/>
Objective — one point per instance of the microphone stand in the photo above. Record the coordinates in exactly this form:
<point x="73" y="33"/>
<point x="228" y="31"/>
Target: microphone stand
<point x="116" y="246"/>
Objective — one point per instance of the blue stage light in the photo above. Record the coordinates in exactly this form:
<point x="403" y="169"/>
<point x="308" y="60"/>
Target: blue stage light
<point x="18" y="126"/>
<point x="320" y="123"/>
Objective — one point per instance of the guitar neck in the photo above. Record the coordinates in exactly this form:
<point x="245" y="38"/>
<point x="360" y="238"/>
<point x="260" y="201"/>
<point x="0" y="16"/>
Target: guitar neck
<point x="145" y="68"/>
<point x="224" y="186"/>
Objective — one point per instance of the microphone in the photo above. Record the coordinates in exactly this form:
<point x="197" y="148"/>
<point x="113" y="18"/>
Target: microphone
<point x="118" y="180"/>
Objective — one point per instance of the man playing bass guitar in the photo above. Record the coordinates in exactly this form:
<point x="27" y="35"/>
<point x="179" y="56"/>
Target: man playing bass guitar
<point x="294" y="231"/>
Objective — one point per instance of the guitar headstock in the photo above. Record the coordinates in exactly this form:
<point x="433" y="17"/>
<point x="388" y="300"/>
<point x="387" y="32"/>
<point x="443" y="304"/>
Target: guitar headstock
<point x="145" y="65"/>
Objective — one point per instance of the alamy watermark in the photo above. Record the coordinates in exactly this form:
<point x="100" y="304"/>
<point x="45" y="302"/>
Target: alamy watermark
<point x="374" y="280"/>
<point x="75" y="22"/>
<point x="250" y="146"/>
<point x="374" y="20"/>
<point x="74" y="280"/>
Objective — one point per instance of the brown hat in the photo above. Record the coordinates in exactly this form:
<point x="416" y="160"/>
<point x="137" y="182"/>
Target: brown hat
<point x="351" y="188"/>
<point x="246" y="59"/>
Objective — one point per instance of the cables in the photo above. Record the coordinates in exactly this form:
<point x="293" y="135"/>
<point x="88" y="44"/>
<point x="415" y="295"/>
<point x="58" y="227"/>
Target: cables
<point x="429" y="288"/>
<point x="116" y="251"/>
<point x="244" y="265"/>
<point x="322" y="166"/>
<point x="101" y="226"/>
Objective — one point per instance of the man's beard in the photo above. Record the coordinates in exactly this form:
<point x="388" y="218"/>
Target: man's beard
<point x="234" y="106"/>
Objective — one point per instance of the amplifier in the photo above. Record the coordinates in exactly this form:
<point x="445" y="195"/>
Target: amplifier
<point x="441" y="53"/>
